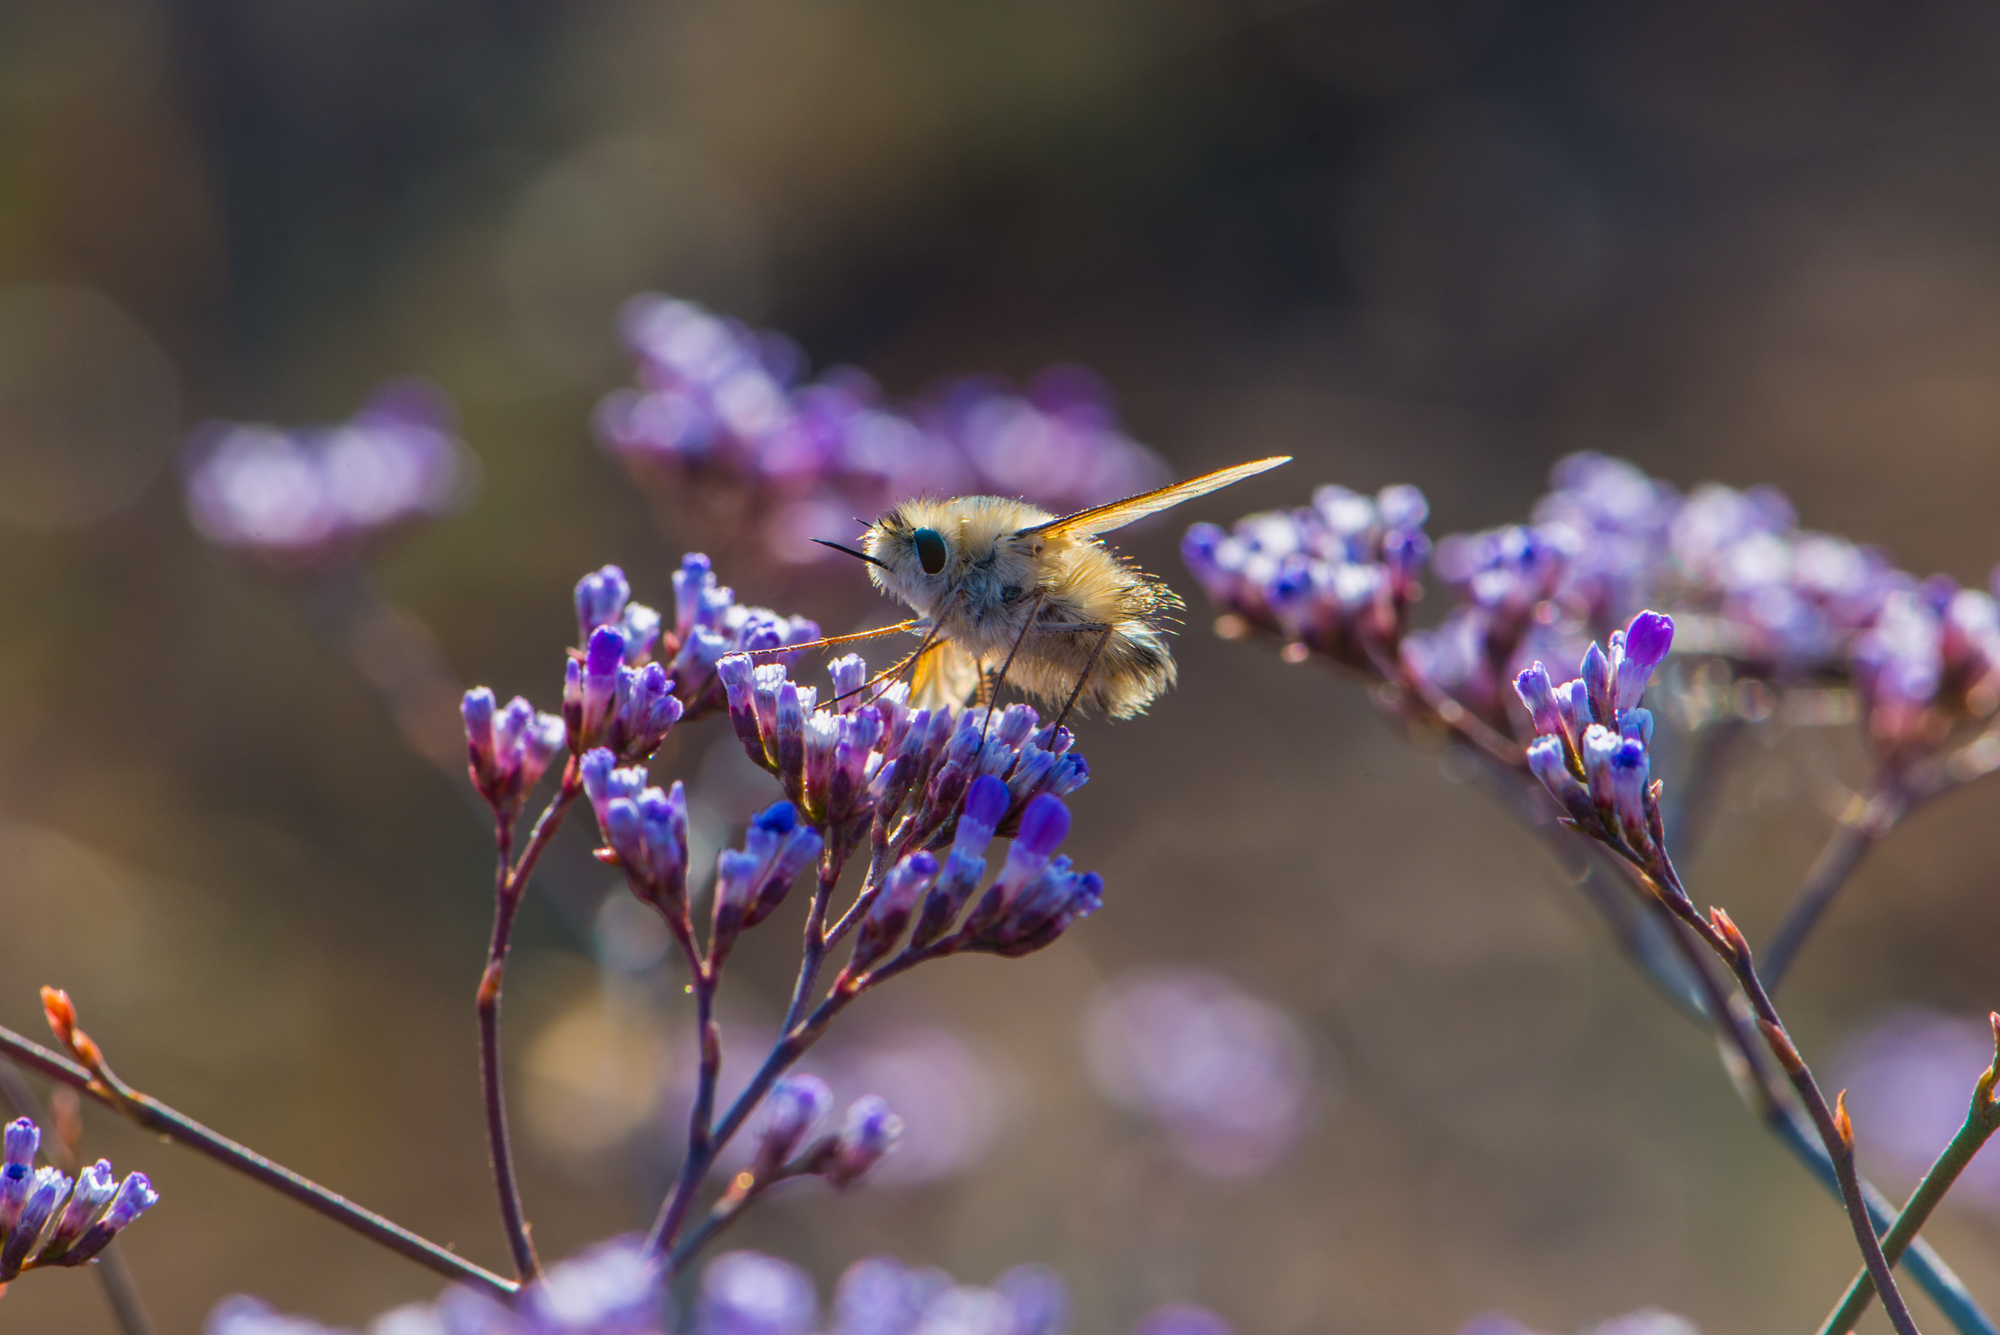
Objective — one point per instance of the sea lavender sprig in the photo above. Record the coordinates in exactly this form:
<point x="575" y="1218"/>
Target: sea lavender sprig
<point x="48" y="1218"/>
<point x="86" y="1071"/>
<point x="1591" y="753"/>
<point x="904" y="784"/>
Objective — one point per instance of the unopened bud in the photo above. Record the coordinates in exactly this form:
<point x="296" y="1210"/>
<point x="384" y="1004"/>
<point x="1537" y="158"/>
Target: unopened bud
<point x="1727" y="929"/>
<point x="1841" y="1121"/>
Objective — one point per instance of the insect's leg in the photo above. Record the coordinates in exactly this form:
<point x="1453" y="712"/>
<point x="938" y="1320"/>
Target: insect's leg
<point x="1103" y="638"/>
<point x="994" y="699"/>
<point x="884" y="673"/>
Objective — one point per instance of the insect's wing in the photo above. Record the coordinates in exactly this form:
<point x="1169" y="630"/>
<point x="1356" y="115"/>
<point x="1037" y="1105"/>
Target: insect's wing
<point x="1104" y="518"/>
<point x="946" y="675"/>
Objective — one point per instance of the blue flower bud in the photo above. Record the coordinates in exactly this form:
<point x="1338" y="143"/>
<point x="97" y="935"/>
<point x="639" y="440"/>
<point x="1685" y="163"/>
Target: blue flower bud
<point x="1647" y="640"/>
<point x="794" y="1105"/>
<point x="600" y="600"/>
<point x="1596" y="677"/>
<point x="135" y="1197"/>
<point x="871" y="1131"/>
<point x="1538" y="694"/>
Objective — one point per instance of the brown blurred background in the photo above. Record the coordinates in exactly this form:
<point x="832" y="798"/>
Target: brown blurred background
<point x="1436" y="241"/>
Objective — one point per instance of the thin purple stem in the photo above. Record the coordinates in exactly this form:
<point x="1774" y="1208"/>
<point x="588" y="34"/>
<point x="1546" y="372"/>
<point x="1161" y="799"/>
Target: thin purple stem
<point x="1838" y="1147"/>
<point x="506" y="901"/>
<point x="157" y="1117"/>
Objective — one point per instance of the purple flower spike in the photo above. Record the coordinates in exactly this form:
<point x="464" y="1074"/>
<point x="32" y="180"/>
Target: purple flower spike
<point x="1044" y="825"/>
<point x="871" y="1131"/>
<point x="45" y="1193"/>
<point x="17" y="1175"/>
<point x="94" y="1189"/>
<point x="600" y="601"/>
<point x="1548" y="759"/>
<point x="615" y="1288"/>
<point x="1645" y="647"/>
<point x="135" y="1197"/>
<point x="879" y="1295"/>
<point x="882" y="926"/>
<point x="507" y="751"/>
<point x="1596" y="677"/>
<point x="795" y="1104"/>
<point x="1538" y="694"/>
<point x="746" y="1293"/>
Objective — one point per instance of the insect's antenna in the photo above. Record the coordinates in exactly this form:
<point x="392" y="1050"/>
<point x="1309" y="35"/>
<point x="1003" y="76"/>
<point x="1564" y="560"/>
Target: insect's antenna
<point x="851" y="552"/>
<point x="858" y="635"/>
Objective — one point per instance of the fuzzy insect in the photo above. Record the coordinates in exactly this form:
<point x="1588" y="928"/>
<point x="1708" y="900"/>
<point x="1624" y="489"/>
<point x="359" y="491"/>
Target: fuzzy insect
<point x="1007" y="593"/>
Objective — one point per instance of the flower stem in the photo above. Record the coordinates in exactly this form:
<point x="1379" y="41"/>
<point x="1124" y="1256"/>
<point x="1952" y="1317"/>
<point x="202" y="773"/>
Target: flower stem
<point x="1839" y="1147"/>
<point x="1981" y="1121"/>
<point x="506" y="900"/>
<point x="159" y="1118"/>
<point x="1845" y="848"/>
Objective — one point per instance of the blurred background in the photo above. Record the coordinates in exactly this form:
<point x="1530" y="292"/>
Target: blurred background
<point x="1434" y="241"/>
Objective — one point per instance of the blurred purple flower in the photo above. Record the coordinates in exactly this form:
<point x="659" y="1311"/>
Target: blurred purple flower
<point x="745" y="1293"/>
<point x="749" y="1293"/>
<point x="318" y="494"/>
<point x="613" y="1288"/>
<point x="1494" y="1323"/>
<point x="723" y="428"/>
<point x="1909" y="1077"/>
<point x="1650" y="1321"/>
<point x="1227" y="1077"/>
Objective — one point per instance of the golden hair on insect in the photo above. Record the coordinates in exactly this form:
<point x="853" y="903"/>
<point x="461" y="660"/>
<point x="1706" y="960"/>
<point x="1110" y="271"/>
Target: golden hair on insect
<point x="1009" y="594"/>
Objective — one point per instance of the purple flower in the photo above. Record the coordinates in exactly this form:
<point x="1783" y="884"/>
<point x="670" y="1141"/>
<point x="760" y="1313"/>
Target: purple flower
<point x="646" y="828"/>
<point x="17" y="1172"/>
<point x="879" y="1295"/>
<point x="1227" y="1077"/>
<point x="1493" y="1323"/>
<point x="750" y="883"/>
<point x="508" y="751"/>
<point x="45" y="1195"/>
<point x="795" y="1104"/>
<point x="721" y="427"/>
<point x="1182" y="1319"/>
<point x="615" y="1288"/>
<point x="747" y="1293"/>
<point x="1337" y="577"/>
<point x="242" y="1315"/>
<point x="316" y="495"/>
<point x="870" y="1132"/>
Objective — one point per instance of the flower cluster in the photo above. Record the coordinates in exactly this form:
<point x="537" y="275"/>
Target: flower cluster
<point x="748" y="1293"/>
<point x="509" y="749"/>
<point x="1592" y="738"/>
<point x="1335" y="578"/>
<point x="1749" y="586"/>
<point x="313" y="496"/>
<point x="49" y="1219"/>
<point x="614" y="1288"/>
<point x="724" y="426"/>
<point x="796" y="1105"/>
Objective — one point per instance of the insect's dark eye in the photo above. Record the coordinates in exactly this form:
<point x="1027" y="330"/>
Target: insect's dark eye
<point x="930" y="549"/>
